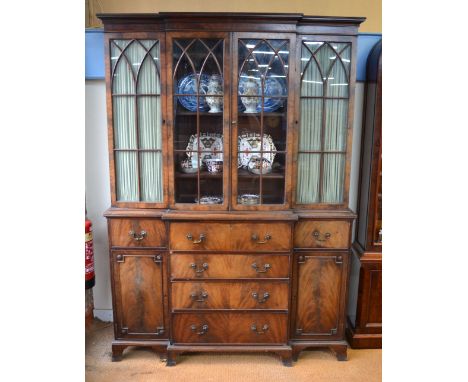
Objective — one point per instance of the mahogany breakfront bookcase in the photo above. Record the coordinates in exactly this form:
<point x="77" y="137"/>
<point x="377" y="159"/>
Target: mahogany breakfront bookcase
<point x="230" y="146"/>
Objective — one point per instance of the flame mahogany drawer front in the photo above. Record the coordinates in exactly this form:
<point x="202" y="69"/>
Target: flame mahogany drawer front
<point x="137" y="232"/>
<point x="322" y="234"/>
<point x="206" y="266"/>
<point x="230" y="328"/>
<point x="230" y="236"/>
<point x="229" y="295"/>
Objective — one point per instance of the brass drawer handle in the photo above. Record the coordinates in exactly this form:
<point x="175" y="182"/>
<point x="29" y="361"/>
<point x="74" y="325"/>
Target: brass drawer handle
<point x="200" y="240"/>
<point x="261" y="300"/>
<point x="324" y="237"/>
<point x="263" y="331"/>
<point x="137" y="236"/>
<point x="199" y="297"/>
<point x="204" y="267"/>
<point x="266" y="267"/>
<point x="204" y="329"/>
<point x="265" y="239"/>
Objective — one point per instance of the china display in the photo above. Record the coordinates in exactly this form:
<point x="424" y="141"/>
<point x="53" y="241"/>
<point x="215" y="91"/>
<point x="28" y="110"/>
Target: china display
<point x="230" y="144"/>
<point x="215" y="89"/>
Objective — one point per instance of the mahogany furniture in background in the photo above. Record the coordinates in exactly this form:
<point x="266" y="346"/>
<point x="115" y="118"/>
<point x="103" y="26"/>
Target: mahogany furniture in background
<point x="365" y="325"/>
<point x="261" y="273"/>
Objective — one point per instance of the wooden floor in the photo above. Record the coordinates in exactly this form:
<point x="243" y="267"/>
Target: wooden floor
<point x="141" y="365"/>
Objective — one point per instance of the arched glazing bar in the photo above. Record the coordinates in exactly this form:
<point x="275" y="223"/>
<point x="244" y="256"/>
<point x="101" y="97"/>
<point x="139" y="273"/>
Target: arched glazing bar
<point x="324" y="94"/>
<point x="266" y="63"/>
<point x="195" y="62"/>
<point x="137" y="117"/>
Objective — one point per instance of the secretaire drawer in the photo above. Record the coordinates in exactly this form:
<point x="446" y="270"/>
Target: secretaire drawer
<point x="199" y="236"/>
<point x="229" y="295"/>
<point x="322" y="234"/>
<point x="137" y="232"/>
<point x="198" y="266"/>
<point x="261" y="237"/>
<point x="230" y="236"/>
<point x="233" y="328"/>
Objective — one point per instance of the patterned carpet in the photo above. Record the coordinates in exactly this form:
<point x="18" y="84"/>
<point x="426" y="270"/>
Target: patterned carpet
<point x="140" y="364"/>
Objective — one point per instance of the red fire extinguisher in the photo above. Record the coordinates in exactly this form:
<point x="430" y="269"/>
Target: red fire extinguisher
<point x="89" y="255"/>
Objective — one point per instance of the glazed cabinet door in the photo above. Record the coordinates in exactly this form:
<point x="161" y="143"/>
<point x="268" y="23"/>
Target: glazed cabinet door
<point x="325" y="100"/>
<point x="136" y="94"/>
<point x="199" y="81"/>
<point x="319" y="297"/>
<point x="139" y="294"/>
<point x="262" y="110"/>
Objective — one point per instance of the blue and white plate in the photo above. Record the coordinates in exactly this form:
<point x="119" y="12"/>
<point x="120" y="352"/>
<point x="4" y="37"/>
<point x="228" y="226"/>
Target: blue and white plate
<point x="273" y="87"/>
<point x="188" y="85"/>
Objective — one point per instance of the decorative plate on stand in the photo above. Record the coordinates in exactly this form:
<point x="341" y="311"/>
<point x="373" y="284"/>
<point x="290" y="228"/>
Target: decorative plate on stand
<point x="188" y="85"/>
<point x="251" y="144"/>
<point x="274" y="87"/>
<point x="210" y="143"/>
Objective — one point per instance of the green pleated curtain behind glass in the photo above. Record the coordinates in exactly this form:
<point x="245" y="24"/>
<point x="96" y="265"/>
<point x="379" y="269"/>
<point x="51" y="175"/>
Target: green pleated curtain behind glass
<point x="323" y="124"/>
<point x="137" y="120"/>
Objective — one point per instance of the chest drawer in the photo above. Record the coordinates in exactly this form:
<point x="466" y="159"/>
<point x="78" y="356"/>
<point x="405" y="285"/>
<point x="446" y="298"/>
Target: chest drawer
<point x="230" y="236"/>
<point x="233" y="328"/>
<point x="322" y="234"/>
<point x="206" y="266"/>
<point x="137" y="232"/>
<point x="230" y="295"/>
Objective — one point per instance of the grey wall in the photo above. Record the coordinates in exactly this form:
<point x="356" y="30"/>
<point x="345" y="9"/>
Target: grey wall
<point x="98" y="186"/>
<point x="98" y="191"/>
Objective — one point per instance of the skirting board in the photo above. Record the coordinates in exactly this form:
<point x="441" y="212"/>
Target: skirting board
<point x="105" y="315"/>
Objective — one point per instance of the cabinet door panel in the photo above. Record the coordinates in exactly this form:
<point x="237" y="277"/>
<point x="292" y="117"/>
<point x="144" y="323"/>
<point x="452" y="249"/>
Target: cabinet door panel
<point x="136" y="117"/>
<point x="139" y="294"/>
<point x="262" y="109"/>
<point x="324" y="131"/>
<point x="198" y="103"/>
<point x="369" y="311"/>
<point x="320" y="295"/>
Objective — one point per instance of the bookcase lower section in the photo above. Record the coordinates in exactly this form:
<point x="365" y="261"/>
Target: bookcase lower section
<point x="269" y="283"/>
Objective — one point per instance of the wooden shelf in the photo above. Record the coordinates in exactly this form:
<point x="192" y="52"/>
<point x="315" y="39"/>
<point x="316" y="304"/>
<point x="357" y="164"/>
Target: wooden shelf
<point x="203" y="175"/>
<point x="272" y="175"/>
<point x="241" y="114"/>
<point x="243" y="174"/>
<point x="220" y="114"/>
<point x="265" y="114"/>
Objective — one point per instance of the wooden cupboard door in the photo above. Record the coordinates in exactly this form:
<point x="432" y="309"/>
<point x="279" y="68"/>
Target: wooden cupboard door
<point x="369" y="309"/>
<point x="263" y="69"/>
<point x="320" y="295"/>
<point x="135" y="72"/>
<point x="324" y="126"/>
<point x="137" y="232"/>
<point x="139" y="301"/>
<point x="198" y="65"/>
